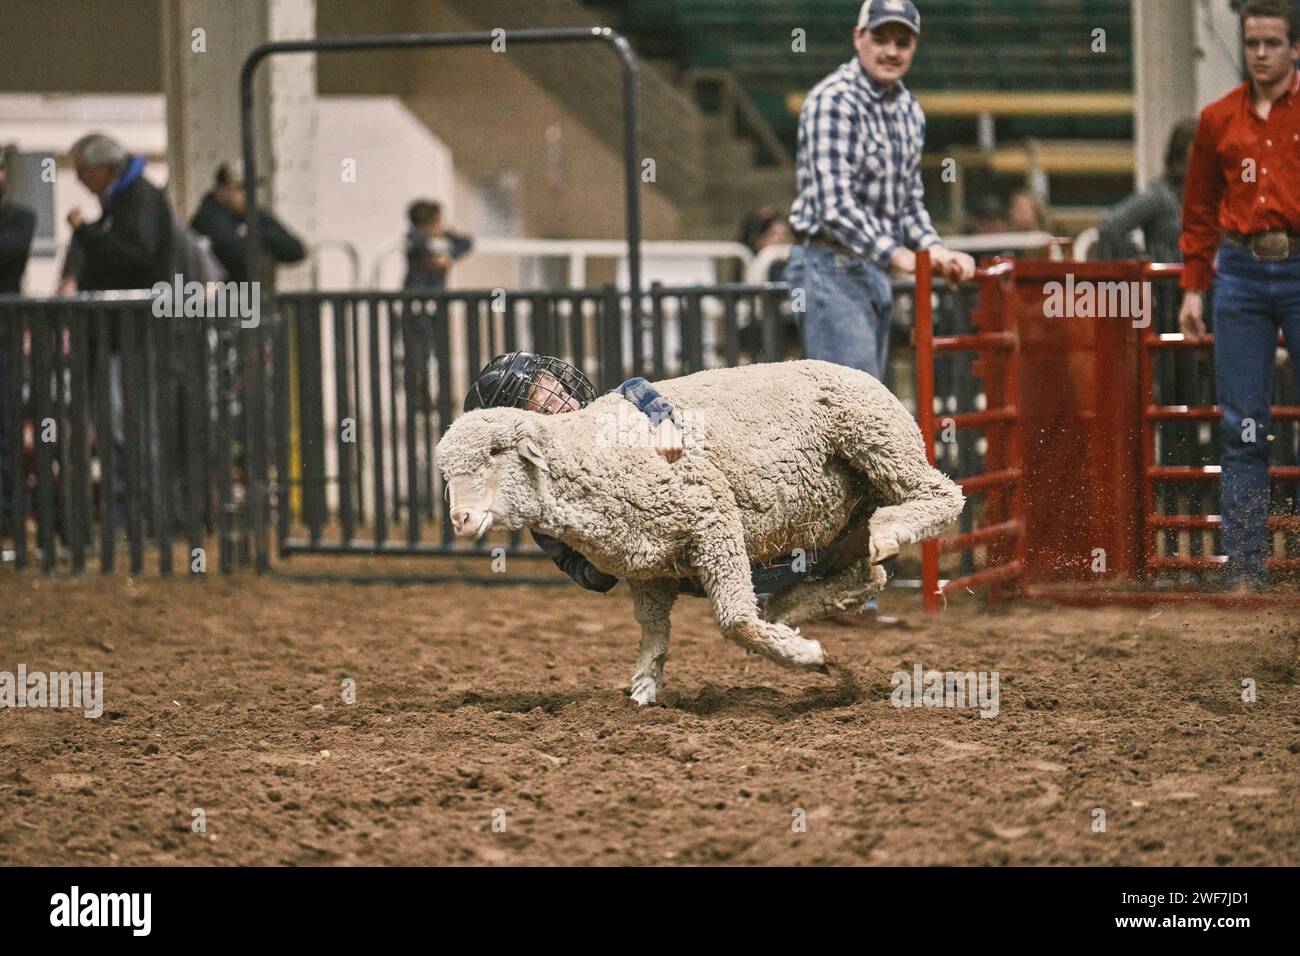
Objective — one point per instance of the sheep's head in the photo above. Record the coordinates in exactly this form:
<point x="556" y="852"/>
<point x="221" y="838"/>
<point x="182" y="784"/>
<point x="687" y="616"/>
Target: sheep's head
<point x="491" y="462"/>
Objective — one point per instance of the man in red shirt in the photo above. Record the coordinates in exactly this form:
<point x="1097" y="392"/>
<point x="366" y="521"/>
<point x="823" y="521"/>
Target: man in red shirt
<point x="1242" y="201"/>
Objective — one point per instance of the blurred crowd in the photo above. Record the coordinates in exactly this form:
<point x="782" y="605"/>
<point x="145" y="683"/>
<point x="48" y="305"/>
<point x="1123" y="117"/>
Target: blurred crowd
<point x="138" y="240"/>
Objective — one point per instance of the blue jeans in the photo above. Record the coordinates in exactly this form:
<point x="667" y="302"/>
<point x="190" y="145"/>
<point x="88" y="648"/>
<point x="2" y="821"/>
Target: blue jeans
<point x="1252" y="300"/>
<point x="848" y="306"/>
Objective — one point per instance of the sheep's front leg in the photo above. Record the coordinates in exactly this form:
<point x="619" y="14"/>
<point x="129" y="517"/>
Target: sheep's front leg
<point x="652" y="605"/>
<point x="811" y="600"/>
<point x="722" y="562"/>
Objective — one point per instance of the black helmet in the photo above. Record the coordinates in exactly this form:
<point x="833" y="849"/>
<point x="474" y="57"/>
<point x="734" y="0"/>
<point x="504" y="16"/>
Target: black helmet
<point x="526" y="380"/>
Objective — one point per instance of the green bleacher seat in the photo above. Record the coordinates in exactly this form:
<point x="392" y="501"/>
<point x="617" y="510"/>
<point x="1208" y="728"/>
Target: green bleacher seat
<point x="996" y="45"/>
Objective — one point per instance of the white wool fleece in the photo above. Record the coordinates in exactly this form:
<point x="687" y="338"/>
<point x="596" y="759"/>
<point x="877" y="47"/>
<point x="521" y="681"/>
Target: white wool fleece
<point x="783" y="454"/>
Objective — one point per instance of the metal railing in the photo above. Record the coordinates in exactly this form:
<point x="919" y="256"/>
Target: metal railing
<point x="1139" y="417"/>
<point x="126" y="432"/>
<point x="1159" y="475"/>
<point x="252" y="341"/>
<point x="120" y="430"/>
<point x="757" y="269"/>
<point x="737" y="103"/>
<point x="364" y="385"/>
<point x="575" y="253"/>
<point x="359" y="387"/>
<point x="1001" y="530"/>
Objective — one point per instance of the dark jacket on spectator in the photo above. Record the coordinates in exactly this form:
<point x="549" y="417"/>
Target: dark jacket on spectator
<point x="421" y="273"/>
<point x="228" y="233"/>
<point x="130" y="246"/>
<point x="17" y="226"/>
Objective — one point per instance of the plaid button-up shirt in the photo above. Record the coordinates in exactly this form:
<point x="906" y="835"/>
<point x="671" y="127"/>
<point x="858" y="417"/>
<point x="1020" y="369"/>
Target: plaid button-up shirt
<point x="859" y="166"/>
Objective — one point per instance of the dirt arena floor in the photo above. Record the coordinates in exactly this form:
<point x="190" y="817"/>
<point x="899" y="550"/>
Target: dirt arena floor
<point x="477" y="705"/>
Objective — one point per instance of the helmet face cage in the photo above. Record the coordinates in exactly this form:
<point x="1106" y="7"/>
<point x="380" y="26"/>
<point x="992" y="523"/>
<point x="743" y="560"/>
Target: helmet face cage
<point x="539" y="383"/>
<point x="556" y="386"/>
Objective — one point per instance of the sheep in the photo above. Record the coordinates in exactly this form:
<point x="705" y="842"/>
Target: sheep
<point x="779" y="456"/>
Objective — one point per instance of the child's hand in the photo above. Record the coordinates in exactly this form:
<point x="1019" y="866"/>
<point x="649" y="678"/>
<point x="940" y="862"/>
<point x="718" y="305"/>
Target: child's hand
<point x="667" y="441"/>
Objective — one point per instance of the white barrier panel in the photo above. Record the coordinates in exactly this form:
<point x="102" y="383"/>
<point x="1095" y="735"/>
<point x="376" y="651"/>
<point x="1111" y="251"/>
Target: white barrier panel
<point x="667" y="261"/>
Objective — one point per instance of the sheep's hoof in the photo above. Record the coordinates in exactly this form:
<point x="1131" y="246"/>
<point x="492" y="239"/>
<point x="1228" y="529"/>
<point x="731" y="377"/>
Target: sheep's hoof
<point x="827" y="666"/>
<point x="643" y="691"/>
<point x="884" y="545"/>
<point x="879" y="555"/>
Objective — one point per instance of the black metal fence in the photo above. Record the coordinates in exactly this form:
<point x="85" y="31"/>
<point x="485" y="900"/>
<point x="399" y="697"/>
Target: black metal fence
<point x="368" y="383"/>
<point x="317" y="427"/>
<point x="120" y="431"/>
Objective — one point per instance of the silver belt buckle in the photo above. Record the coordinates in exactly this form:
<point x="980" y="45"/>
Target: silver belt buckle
<point x="1271" y="246"/>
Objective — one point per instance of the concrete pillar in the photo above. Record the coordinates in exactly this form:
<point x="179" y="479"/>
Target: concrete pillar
<point x="1218" y="49"/>
<point x="294" y="124"/>
<point x="205" y="44"/>
<point x="1186" y="55"/>
<point x="1164" y="78"/>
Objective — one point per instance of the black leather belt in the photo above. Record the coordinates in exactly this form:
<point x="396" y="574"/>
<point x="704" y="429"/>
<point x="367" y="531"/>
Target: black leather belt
<point x="1272" y="246"/>
<point x="825" y="244"/>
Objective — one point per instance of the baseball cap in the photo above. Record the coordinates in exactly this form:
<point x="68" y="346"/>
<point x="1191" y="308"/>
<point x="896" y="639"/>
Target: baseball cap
<point x="877" y="12"/>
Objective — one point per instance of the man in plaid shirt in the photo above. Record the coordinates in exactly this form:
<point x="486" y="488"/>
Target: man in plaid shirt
<point x="860" y="210"/>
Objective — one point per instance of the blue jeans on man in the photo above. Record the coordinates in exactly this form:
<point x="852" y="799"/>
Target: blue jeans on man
<point x="848" y="305"/>
<point x="848" y="308"/>
<point x="1252" y="300"/>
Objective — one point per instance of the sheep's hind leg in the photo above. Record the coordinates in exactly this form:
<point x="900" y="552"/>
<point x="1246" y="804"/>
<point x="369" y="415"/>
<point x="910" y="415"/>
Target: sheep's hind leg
<point x="722" y="562"/>
<point x="652" y="605"/>
<point x="887" y="448"/>
<point x="811" y="600"/>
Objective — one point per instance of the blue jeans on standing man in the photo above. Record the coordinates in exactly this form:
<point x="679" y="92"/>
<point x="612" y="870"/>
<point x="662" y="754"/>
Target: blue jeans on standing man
<point x="1252" y="300"/>
<point x="848" y="305"/>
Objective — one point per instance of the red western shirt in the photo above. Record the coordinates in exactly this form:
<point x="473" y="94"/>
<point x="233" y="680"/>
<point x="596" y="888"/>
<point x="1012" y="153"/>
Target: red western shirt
<point x="1224" y="192"/>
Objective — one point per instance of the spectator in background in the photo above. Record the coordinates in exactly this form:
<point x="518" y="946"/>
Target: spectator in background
<point x="17" y="226"/>
<point x="431" y="248"/>
<point x="1026" y="212"/>
<point x="130" y="245"/>
<point x="987" y="216"/>
<point x="762" y="228"/>
<point x="222" y="217"/>
<point x="767" y="226"/>
<point x="71" y="268"/>
<point x="1157" y="210"/>
<point x="1241" y="233"/>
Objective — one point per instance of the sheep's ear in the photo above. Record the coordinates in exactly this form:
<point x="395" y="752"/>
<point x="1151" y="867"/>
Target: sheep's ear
<point x="529" y="452"/>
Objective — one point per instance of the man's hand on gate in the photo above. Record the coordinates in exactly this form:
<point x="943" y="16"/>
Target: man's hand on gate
<point x="1191" y="318"/>
<point x="957" y="267"/>
<point x="904" y="260"/>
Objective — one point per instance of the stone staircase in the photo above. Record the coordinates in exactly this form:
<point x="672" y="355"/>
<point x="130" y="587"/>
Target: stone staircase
<point x="733" y="184"/>
<point x="706" y="170"/>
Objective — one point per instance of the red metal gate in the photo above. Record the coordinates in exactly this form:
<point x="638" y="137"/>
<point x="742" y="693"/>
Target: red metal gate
<point x="1153" y="473"/>
<point x="1070" y="420"/>
<point x="1001" y="527"/>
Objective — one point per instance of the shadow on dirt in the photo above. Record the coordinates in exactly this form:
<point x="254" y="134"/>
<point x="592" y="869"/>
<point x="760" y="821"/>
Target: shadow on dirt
<point x="519" y="702"/>
<point x="710" y="700"/>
